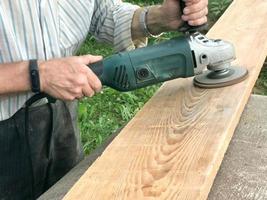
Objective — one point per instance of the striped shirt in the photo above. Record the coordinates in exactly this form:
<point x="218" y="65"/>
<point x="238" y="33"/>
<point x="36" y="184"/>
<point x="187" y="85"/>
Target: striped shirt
<point x="46" y="29"/>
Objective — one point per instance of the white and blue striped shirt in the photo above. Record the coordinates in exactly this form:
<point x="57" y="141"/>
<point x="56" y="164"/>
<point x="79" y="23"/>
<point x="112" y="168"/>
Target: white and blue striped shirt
<point x="45" y="29"/>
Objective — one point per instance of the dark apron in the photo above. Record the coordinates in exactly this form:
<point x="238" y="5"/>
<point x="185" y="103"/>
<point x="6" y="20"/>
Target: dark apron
<point x="37" y="147"/>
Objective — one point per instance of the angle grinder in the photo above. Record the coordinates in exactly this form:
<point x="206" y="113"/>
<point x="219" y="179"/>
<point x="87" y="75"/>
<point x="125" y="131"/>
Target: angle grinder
<point x="218" y="74"/>
<point x="192" y="54"/>
<point x="180" y="57"/>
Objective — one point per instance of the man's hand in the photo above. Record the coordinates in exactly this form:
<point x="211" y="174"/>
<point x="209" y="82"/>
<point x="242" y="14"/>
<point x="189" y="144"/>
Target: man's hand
<point x="69" y="78"/>
<point x="195" y="12"/>
<point x="168" y="16"/>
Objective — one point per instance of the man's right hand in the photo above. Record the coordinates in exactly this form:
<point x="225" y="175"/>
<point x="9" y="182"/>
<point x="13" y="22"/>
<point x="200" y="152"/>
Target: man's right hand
<point x="69" y="78"/>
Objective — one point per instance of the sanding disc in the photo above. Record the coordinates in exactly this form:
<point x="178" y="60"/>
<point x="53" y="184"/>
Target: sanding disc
<point x="222" y="78"/>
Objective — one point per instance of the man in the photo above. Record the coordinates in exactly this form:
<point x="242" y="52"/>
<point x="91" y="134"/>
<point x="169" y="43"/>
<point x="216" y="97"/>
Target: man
<point x="39" y="141"/>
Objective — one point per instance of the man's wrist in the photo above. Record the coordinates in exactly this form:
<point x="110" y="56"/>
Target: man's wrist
<point x="42" y="68"/>
<point x="143" y="24"/>
<point x="157" y="22"/>
<point x="34" y="76"/>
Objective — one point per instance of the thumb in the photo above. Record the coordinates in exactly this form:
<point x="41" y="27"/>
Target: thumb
<point x="88" y="59"/>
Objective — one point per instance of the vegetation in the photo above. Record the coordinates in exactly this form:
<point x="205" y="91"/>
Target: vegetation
<point x="261" y="85"/>
<point x="106" y="112"/>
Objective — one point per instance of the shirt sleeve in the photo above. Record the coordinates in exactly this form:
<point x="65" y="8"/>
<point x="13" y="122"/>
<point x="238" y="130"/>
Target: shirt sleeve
<point x="111" y="23"/>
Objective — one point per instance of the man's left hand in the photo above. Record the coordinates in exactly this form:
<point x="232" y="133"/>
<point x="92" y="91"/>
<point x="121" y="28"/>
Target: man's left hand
<point x="168" y="17"/>
<point x="195" y="12"/>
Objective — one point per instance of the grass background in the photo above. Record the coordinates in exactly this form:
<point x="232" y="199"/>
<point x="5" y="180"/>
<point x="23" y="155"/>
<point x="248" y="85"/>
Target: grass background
<point x="109" y="110"/>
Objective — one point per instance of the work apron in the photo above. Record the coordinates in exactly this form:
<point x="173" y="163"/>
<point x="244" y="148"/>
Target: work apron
<point x="37" y="147"/>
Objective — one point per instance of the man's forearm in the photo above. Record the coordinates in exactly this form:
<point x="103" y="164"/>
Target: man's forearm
<point x="14" y="77"/>
<point x="66" y="78"/>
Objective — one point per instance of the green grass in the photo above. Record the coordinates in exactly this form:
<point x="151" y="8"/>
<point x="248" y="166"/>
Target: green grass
<point x="261" y="84"/>
<point x="106" y="112"/>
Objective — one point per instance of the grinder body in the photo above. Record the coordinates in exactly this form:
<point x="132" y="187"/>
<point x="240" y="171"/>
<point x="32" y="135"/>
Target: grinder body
<point x="180" y="57"/>
<point x="141" y="67"/>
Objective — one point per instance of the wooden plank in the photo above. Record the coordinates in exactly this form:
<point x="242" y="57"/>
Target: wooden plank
<point x="174" y="146"/>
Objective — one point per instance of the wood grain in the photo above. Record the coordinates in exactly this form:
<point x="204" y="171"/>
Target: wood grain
<point x="173" y="147"/>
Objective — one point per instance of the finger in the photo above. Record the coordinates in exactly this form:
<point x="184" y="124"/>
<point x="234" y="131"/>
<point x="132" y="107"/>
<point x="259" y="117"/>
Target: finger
<point x="198" y="22"/>
<point x="80" y="96"/>
<point x="88" y="91"/>
<point x="76" y="92"/>
<point x="87" y="59"/>
<point x="93" y="81"/>
<point x="196" y="7"/>
<point x="195" y="16"/>
<point x="67" y="96"/>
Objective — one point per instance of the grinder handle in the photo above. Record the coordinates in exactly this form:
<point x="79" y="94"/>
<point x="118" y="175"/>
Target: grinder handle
<point x="97" y="68"/>
<point x="186" y="27"/>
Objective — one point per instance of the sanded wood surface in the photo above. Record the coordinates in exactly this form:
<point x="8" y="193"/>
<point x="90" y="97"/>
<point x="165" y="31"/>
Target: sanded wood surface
<point x="173" y="147"/>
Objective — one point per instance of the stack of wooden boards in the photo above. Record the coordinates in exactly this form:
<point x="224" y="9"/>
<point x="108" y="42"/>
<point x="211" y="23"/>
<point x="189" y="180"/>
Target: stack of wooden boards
<point x="174" y="146"/>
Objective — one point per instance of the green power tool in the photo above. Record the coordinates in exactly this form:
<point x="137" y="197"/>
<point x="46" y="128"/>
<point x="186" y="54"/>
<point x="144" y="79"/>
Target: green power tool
<point x="180" y="57"/>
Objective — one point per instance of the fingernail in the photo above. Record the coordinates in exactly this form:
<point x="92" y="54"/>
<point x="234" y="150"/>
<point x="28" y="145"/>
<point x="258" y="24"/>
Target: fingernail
<point x="98" y="90"/>
<point x="191" y="23"/>
<point x="92" y="94"/>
